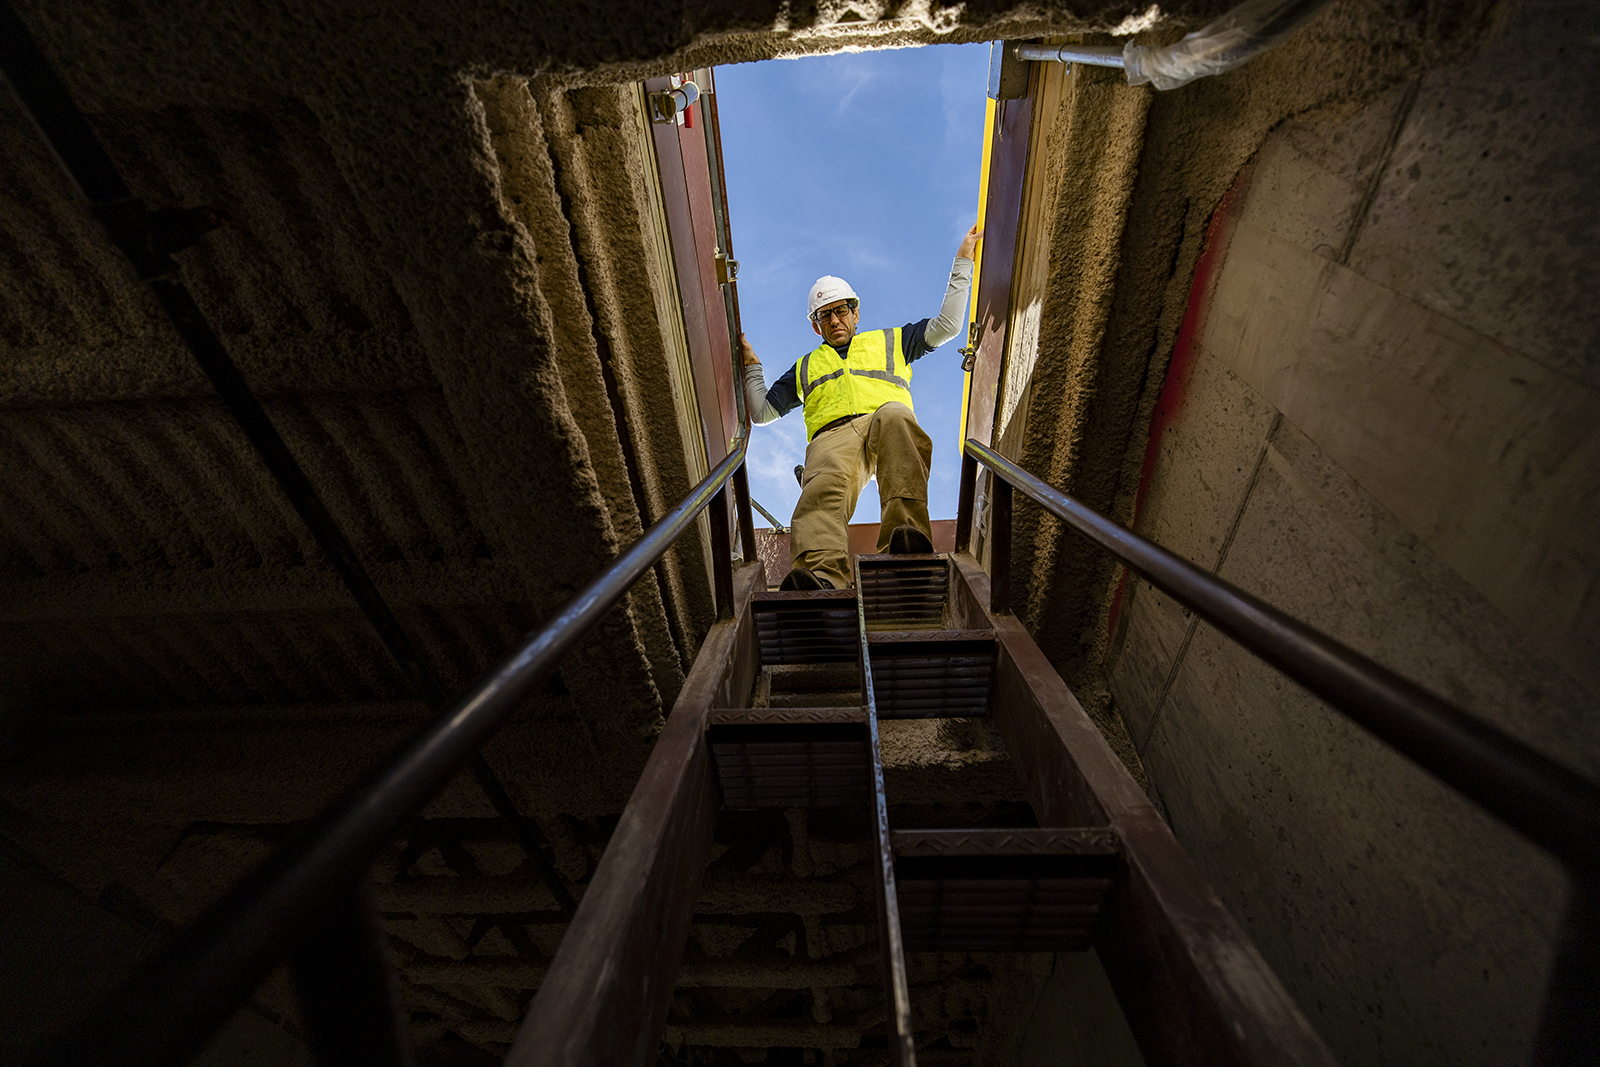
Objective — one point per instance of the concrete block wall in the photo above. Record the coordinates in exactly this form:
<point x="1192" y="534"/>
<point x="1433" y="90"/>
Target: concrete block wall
<point x="1384" y="420"/>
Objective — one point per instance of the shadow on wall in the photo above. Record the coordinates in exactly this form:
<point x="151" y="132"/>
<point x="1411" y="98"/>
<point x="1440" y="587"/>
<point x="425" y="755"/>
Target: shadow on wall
<point x="1076" y="1021"/>
<point x="63" y="952"/>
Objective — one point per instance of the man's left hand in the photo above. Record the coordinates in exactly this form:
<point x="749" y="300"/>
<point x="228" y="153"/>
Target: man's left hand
<point x="969" y="243"/>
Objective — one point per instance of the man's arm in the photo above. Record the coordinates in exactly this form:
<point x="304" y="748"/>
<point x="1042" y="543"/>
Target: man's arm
<point x="953" y="312"/>
<point x="766" y="405"/>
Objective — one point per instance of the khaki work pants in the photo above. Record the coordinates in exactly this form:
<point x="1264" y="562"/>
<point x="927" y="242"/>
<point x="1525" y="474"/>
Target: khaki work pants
<point x="839" y="463"/>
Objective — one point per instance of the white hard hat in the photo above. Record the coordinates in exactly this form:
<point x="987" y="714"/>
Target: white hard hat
<point x="829" y="290"/>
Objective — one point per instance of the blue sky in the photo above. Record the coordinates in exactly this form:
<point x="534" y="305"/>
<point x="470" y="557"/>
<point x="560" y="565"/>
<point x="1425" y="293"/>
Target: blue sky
<point x="863" y="165"/>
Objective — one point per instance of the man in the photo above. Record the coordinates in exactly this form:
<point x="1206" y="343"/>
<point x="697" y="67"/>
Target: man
<point x="856" y="389"/>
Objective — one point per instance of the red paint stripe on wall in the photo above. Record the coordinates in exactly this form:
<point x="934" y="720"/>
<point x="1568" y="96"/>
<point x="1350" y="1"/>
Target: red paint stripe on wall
<point x="1174" y="390"/>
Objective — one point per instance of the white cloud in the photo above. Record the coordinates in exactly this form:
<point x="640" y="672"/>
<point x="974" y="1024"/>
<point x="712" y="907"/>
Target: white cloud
<point x="775" y="449"/>
<point x="859" y="78"/>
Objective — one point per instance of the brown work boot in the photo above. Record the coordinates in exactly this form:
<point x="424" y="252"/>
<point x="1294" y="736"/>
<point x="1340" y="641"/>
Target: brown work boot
<point x="909" y="541"/>
<point x="801" y="580"/>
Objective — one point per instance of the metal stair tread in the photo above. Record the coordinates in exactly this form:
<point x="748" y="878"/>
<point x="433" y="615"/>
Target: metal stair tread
<point x="932" y="673"/>
<point x="1019" y="841"/>
<point x="815" y="626"/>
<point x="907" y="592"/>
<point x="785" y="716"/>
<point x="1003" y="890"/>
<point x="791" y="757"/>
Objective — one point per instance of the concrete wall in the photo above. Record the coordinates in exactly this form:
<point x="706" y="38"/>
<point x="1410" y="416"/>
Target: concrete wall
<point x="1382" y="417"/>
<point x="434" y="225"/>
<point x="438" y="271"/>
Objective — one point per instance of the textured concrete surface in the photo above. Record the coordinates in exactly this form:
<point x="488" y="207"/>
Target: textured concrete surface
<point x="439" y="270"/>
<point x="1383" y="422"/>
<point x="62" y="950"/>
<point x="1137" y="176"/>
<point x="442" y="269"/>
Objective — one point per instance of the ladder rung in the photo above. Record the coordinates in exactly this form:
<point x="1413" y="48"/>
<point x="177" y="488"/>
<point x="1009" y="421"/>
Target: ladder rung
<point x="904" y="592"/>
<point x="919" y="637"/>
<point x="996" y="924"/>
<point x="758" y="754"/>
<point x="817" y="626"/>
<point x="1076" y="944"/>
<point x="1003" y="890"/>
<point x="785" y="716"/>
<point x="1044" y="901"/>
<point x="764" y="600"/>
<point x="911" y="685"/>
<point x="928" y="674"/>
<point x="788" y="777"/>
<point x="1018" y="841"/>
<point x="791" y="757"/>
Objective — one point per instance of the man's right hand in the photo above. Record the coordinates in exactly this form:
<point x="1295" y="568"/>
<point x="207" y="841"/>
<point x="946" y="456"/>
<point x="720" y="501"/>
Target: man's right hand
<point x="747" y="353"/>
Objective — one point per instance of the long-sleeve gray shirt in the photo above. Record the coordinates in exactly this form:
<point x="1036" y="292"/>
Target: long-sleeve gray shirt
<point x="917" y="338"/>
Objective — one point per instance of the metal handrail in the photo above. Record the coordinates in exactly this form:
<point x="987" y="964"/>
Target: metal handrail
<point x="173" y="1003"/>
<point x="1548" y="803"/>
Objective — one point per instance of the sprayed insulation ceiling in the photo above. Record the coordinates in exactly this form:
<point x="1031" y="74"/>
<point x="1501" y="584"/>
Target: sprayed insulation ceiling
<point x="435" y="272"/>
<point x="430" y="274"/>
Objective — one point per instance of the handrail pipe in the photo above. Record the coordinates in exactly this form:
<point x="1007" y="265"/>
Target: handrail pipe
<point x="1548" y="803"/>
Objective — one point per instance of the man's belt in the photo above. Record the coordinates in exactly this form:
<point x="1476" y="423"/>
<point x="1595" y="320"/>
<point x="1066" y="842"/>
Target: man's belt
<point x="836" y="422"/>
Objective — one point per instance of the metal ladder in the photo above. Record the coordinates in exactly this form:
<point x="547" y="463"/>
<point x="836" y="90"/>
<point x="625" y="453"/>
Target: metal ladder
<point x="951" y="890"/>
<point x="1104" y="870"/>
<point x="918" y="637"/>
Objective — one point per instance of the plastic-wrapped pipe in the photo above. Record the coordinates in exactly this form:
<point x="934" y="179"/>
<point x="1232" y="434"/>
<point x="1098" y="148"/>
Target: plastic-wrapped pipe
<point x="1243" y="33"/>
<point x="668" y="104"/>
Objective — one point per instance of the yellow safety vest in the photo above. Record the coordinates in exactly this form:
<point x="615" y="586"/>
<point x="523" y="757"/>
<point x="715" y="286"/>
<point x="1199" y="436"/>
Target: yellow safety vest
<point x="873" y="372"/>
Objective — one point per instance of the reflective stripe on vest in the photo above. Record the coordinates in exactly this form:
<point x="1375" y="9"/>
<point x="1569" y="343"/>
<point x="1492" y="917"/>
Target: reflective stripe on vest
<point x="872" y="373"/>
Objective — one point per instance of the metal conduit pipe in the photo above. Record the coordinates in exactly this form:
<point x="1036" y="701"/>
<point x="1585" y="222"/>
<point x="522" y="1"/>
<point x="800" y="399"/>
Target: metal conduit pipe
<point x="1094" y="55"/>
<point x="1253" y="27"/>
<point x="667" y="105"/>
